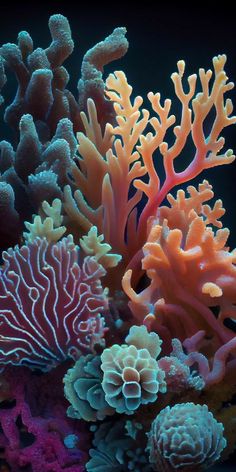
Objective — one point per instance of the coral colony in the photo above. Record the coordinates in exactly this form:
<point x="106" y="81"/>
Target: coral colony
<point x="117" y="297"/>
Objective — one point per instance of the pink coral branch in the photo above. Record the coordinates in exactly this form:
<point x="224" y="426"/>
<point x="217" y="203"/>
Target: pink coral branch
<point x="220" y="365"/>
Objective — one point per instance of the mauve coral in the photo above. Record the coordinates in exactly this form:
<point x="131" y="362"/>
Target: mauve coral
<point x="34" y="426"/>
<point x="50" y="305"/>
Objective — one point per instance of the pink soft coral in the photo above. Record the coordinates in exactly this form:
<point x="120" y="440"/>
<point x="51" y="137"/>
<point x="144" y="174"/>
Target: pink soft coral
<point x="34" y="425"/>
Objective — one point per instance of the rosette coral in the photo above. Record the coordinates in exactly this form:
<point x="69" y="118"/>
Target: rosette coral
<point x="84" y="391"/>
<point x="185" y="437"/>
<point x="131" y="377"/>
<point x="49" y="305"/>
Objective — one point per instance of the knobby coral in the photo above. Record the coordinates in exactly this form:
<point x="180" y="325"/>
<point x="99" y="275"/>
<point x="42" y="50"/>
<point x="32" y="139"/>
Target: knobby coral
<point x="185" y="437"/>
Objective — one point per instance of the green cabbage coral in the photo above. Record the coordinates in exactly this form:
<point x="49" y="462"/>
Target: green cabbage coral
<point x="131" y="375"/>
<point x="84" y="391"/>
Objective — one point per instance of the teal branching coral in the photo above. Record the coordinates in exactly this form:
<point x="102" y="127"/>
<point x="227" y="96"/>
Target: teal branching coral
<point x="121" y="301"/>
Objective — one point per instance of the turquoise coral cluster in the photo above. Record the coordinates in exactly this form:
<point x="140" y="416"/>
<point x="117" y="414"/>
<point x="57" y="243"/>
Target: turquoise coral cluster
<point x="115" y="348"/>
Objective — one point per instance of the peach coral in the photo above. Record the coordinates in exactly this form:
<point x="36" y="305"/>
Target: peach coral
<point x="190" y="270"/>
<point x="107" y="175"/>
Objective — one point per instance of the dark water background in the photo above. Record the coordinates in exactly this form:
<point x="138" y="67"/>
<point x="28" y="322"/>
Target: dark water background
<point x="159" y="35"/>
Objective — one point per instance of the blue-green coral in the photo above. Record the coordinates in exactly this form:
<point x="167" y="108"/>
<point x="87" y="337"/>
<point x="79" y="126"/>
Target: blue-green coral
<point x="114" y="450"/>
<point x="185" y="437"/>
<point x="82" y="387"/>
<point x="131" y="375"/>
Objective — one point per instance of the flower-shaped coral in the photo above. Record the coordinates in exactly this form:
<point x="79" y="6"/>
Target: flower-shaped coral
<point x="185" y="437"/>
<point x="131" y="377"/>
<point x="83" y="390"/>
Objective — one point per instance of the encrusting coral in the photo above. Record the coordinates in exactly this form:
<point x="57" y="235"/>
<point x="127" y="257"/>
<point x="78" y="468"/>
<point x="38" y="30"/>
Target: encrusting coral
<point x="117" y="307"/>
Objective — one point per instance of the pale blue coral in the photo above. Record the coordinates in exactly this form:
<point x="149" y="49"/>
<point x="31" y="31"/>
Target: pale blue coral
<point x="131" y="377"/>
<point x="185" y="437"/>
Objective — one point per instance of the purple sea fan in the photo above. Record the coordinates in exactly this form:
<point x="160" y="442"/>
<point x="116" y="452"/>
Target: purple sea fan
<point x="50" y="306"/>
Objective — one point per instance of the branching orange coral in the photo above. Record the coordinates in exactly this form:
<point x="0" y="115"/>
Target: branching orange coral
<point x="189" y="267"/>
<point x="110" y="167"/>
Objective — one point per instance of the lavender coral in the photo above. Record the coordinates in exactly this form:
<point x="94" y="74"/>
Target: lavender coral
<point x="49" y="305"/>
<point x="185" y="437"/>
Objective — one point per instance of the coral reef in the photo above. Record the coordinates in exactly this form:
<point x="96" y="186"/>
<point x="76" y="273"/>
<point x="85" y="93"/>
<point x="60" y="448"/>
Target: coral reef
<point x="117" y="298"/>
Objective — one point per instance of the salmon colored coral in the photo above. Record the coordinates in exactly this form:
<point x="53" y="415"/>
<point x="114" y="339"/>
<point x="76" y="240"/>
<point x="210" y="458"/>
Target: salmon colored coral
<point x="112" y="163"/>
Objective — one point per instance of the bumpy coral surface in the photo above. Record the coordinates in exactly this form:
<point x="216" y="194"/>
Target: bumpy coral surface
<point x="185" y="437"/>
<point x="117" y="342"/>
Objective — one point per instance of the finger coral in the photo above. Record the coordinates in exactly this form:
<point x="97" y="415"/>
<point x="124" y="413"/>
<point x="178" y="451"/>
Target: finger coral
<point x="45" y="116"/>
<point x="190" y="269"/>
<point x="185" y="437"/>
<point x="50" y="306"/>
<point x="122" y="165"/>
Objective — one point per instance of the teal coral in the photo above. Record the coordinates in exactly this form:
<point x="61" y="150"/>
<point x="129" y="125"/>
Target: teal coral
<point x="185" y="437"/>
<point x="82" y="387"/>
<point x="131" y="377"/>
<point x="140" y="338"/>
<point x="114" y="451"/>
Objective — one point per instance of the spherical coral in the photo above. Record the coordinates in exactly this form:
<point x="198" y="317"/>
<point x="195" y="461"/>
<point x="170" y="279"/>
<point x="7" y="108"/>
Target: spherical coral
<point x="186" y="437"/>
<point x="131" y="377"/>
<point x="84" y="391"/>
